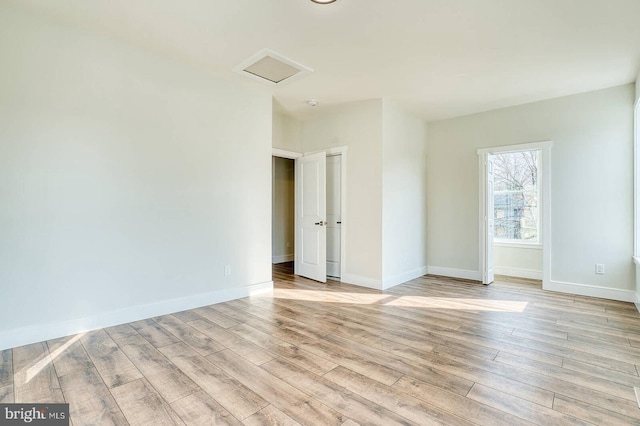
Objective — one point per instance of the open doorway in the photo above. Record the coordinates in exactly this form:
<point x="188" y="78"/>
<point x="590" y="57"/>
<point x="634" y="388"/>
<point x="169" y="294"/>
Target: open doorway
<point x="514" y="212"/>
<point x="320" y="247"/>
<point x="283" y="210"/>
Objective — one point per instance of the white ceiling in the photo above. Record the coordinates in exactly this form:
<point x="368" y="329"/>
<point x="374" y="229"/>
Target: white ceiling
<point x="440" y="58"/>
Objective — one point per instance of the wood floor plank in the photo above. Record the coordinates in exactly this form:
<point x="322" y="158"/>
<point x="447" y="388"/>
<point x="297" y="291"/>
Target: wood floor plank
<point x="142" y="405"/>
<point x="237" y="315"/>
<point x="521" y="408"/>
<point x="625" y="354"/>
<point x="90" y="402"/>
<point x="6" y="395"/>
<point x="238" y="399"/>
<point x="163" y="375"/>
<point x="215" y="317"/>
<point x="337" y="397"/>
<point x="292" y="353"/>
<point x="232" y="341"/>
<point x="154" y="333"/>
<point x="458" y="377"/>
<point x="107" y="357"/>
<point x="270" y="416"/>
<point x="602" y="373"/>
<point x="294" y="403"/>
<point x="570" y="376"/>
<point x="203" y="344"/>
<point x="200" y="409"/>
<point x="595" y="415"/>
<point x="341" y="356"/>
<point x="475" y="411"/>
<point x="186" y="316"/>
<point x="523" y="346"/>
<point x="584" y="394"/>
<point x="68" y="355"/>
<point x="35" y="379"/>
<point x="120" y="331"/>
<point x="6" y="368"/>
<point x="407" y="406"/>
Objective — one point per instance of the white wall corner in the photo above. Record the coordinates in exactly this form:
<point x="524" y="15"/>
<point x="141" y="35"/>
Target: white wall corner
<point x="47" y="331"/>
<point x="361" y="281"/>
<point x="637" y="301"/>
<point x="404" y="277"/>
<point x="454" y="273"/>
<point x="282" y="258"/>
<point x="591" y="291"/>
<point x="531" y="274"/>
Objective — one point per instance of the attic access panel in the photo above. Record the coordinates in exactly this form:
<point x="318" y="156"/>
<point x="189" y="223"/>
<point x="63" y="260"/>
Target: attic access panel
<point x="271" y="68"/>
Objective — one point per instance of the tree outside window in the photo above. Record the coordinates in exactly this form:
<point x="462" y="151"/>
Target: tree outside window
<point x="516" y="196"/>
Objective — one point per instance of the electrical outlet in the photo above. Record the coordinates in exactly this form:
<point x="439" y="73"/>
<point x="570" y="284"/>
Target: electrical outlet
<point x="227" y="270"/>
<point x="599" y="268"/>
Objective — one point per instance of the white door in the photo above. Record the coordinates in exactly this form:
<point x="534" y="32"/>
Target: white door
<point x="488" y="275"/>
<point x="311" y="232"/>
<point x="334" y="214"/>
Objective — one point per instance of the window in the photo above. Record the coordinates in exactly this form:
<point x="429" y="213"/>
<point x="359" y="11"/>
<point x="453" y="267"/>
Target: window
<point x="516" y="197"/>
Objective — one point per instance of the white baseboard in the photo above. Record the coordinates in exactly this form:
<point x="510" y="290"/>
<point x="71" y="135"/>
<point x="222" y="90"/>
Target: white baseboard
<point x="591" y="290"/>
<point x="361" y="281"/>
<point x="455" y="273"/>
<point x="404" y="277"/>
<point x="282" y="258"/>
<point x="42" y="332"/>
<point x="531" y="274"/>
<point x="637" y="301"/>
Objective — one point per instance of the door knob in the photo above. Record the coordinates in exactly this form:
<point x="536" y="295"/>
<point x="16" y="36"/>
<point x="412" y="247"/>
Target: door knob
<point x="321" y="223"/>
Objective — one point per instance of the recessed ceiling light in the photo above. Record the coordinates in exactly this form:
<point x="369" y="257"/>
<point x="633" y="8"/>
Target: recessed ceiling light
<point x="323" y="1"/>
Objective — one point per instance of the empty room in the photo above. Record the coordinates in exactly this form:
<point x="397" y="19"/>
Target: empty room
<point x="319" y="212"/>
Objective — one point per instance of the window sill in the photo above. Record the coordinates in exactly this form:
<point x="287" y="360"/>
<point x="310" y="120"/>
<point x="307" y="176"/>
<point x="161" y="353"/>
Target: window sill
<point x="528" y="246"/>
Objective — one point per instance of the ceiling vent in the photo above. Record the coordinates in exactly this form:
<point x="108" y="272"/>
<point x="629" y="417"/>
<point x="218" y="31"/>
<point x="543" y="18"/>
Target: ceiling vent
<point x="271" y="68"/>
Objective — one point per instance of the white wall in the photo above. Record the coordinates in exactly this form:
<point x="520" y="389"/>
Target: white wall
<point x="358" y="126"/>
<point x="404" y="195"/>
<point x="283" y="208"/>
<point x="286" y="130"/>
<point x="127" y="181"/>
<point x="518" y="261"/>
<point x="591" y="184"/>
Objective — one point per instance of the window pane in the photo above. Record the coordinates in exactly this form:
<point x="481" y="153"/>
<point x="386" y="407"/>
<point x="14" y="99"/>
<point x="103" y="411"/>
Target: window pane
<point x="516" y="195"/>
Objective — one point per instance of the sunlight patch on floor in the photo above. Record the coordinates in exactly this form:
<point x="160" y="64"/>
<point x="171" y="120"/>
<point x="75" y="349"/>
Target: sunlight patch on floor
<point x="329" y="297"/>
<point x="28" y="373"/>
<point x="458" y="304"/>
<point x="402" y="301"/>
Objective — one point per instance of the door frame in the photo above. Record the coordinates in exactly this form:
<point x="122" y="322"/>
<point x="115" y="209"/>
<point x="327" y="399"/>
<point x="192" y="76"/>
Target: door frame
<point x="342" y="151"/>
<point x="545" y="212"/>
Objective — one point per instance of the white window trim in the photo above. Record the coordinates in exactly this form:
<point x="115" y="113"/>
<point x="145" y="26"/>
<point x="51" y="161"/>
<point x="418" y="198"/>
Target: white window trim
<point x="545" y="208"/>
<point x="516" y="244"/>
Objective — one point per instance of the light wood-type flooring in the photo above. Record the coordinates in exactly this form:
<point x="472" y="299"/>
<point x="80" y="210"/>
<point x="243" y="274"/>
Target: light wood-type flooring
<point x="431" y="351"/>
